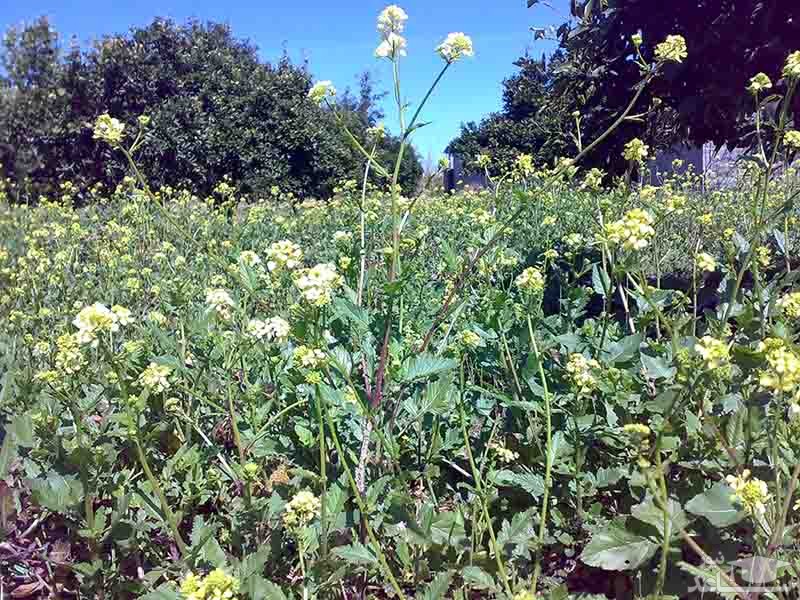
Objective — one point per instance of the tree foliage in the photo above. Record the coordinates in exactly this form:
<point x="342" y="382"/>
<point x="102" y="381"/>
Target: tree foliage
<point x="216" y="111"/>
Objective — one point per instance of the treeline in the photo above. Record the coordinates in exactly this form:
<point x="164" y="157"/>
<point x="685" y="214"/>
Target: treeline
<point x="593" y="76"/>
<point x="217" y="112"/>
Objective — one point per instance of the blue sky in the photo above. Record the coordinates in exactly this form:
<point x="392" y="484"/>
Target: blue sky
<point x="338" y="39"/>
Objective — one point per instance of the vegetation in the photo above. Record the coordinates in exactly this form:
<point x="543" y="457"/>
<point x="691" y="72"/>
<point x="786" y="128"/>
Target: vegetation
<point x="217" y="113"/>
<point x="501" y="393"/>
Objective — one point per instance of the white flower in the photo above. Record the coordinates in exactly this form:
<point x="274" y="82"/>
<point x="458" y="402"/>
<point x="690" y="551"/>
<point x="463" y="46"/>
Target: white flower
<point x="392" y="20"/>
<point x="392" y="47"/>
<point x="284" y="254"/>
<point x="317" y="284"/>
<point x="455" y="46"/>
<point x="221" y="302"/>
<point x="274" y="328"/>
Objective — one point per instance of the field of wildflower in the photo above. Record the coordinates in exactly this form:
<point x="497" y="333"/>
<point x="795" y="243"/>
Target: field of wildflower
<point x="557" y="386"/>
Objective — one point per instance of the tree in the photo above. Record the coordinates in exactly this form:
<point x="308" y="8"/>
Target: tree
<point x="529" y="121"/>
<point x="729" y="41"/>
<point x="216" y="111"/>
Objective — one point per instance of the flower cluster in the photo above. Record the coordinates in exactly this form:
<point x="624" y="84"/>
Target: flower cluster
<point x="318" y="283"/>
<point x="636" y="151"/>
<point x="715" y="353"/>
<point x="752" y="494"/>
<point x="581" y="372"/>
<point x="108" y="129"/>
<point x="455" y="46"/>
<point x="220" y="302"/>
<point x="783" y="366"/>
<point x="523" y="166"/>
<point x="469" y="339"/>
<point x="217" y="585"/>
<point x="531" y="280"/>
<point x="68" y="357"/>
<point x="672" y="49"/>
<point x="792" y="139"/>
<point x="249" y="258"/>
<point x="320" y="91"/>
<point x="759" y="83"/>
<point x="504" y="455"/>
<point x="633" y="231"/>
<point x="310" y="358"/>
<point x="391" y="23"/>
<point x="284" y="254"/>
<point x="791" y="69"/>
<point x="790" y="305"/>
<point x="273" y="329"/>
<point x="301" y="510"/>
<point x="343" y="237"/>
<point x="155" y="377"/>
<point x="639" y="435"/>
<point x="706" y="262"/>
<point x="98" y="318"/>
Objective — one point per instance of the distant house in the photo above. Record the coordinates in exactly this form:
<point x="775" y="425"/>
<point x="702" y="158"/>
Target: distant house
<point x="718" y="166"/>
<point x="456" y="177"/>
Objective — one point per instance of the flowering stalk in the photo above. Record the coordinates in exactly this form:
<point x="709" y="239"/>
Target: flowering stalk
<point x="548" y="469"/>
<point x="481" y="491"/>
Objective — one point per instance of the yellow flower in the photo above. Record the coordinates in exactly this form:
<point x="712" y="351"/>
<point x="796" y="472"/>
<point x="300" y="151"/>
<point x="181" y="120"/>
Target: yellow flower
<point x="531" y="280"/>
<point x="783" y="366"/>
<point x="301" y="510"/>
<point x="639" y="435"/>
<point x="790" y="305"/>
<point x="792" y="139"/>
<point x="320" y="91"/>
<point x="633" y="231"/>
<point x="504" y="455"/>
<point x="93" y="320"/>
<point x="523" y="165"/>
<point x="581" y="372"/>
<point x="309" y="358"/>
<point x="156" y="377"/>
<point x="469" y="338"/>
<point x="672" y="49"/>
<point x="249" y="258"/>
<point x="108" y="129"/>
<point x="752" y="494"/>
<point x="759" y="83"/>
<point x="791" y="69"/>
<point x="715" y="353"/>
<point x="706" y="262"/>
<point x="217" y="585"/>
<point x="636" y="151"/>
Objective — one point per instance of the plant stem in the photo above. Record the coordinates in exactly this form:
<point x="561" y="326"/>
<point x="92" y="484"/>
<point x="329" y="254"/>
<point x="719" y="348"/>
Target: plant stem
<point x="323" y="517"/>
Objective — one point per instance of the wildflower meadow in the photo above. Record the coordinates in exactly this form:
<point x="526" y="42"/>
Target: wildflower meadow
<point x="562" y="384"/>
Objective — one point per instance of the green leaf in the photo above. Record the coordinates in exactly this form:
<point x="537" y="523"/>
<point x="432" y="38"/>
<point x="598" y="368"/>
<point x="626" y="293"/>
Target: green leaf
<point x="601" y="282"/>
<point x="657" y="367"/>
<point x="356" y="553"/>
<point x="59" y="493"/>
<point x="478" y="578"/>
<point x="708" y="576"/>
<point x="716" y="505"/>
<point x="261" y="589"/>
<point x="204" y="546"/>
<point x="438" y="587"/>
<point x="165" y="591"/>
<point x="8" y="452"/>
<point x="649" y="513"/>
<point x="624" y="350"/>
<point x="615" y="548"/>
<point x="424" y="366"/>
